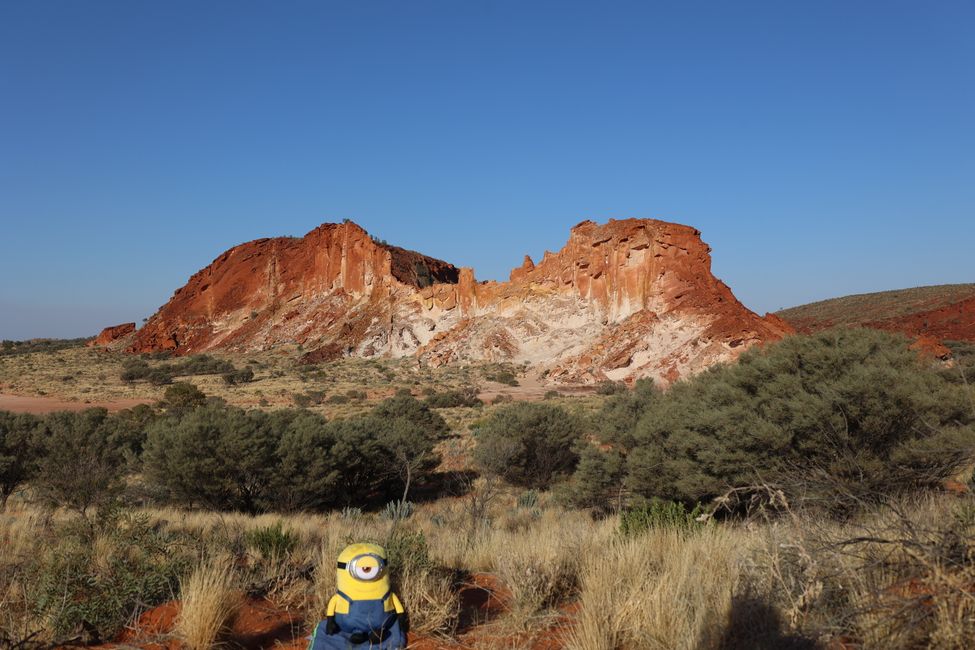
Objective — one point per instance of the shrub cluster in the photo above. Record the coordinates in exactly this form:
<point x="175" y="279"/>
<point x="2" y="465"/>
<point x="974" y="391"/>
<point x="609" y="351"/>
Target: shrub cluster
<point x="529" y="444"/>
<point x="839" y="418"/>
<point x="136" y="368"/>
<point x="225" y="458"/>
<point x="466" y="396"/>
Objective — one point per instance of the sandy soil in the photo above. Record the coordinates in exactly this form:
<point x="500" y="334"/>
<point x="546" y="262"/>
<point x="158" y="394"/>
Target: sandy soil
<point x="38" y="404"/>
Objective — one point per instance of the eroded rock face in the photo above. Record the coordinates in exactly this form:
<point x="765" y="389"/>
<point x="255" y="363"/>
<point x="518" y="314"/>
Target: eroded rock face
<point x="621" y="300"/>
<point x="112" y="334"/>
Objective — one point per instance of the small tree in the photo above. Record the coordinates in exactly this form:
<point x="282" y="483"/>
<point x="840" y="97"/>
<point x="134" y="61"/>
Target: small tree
<point x="17" y="452"/>
<point x="218" y="456"/>
<point x="408" y="430"/>
<point x="528" y="444"/>
<point x="80" y="467"/>
<point x="183" y="395"/>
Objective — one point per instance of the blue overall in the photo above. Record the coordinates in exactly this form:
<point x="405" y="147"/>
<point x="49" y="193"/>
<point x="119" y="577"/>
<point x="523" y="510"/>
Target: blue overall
<point x="364" y="617"/>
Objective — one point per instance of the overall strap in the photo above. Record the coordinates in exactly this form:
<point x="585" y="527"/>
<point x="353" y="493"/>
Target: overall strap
<point x="343" y="595"/>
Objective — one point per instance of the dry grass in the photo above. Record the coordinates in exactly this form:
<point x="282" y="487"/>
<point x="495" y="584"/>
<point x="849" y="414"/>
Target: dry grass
<point x="664" y="589"/>
<point x="209" y="601"/>
<point x="899" y="577"/>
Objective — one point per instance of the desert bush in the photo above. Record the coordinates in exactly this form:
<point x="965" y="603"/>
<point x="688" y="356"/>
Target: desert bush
<point x="216" y="456"/>
<point x="183" y="395"/>
<point x="397" y="511"/>
<point x="659" y="514"/>
<point x="201" y="364"/>
<point x="272" y="541"/>
<point x="597" y="482"/>
<point x="241" y="376"/>
<point x="80" y="464"/>
<point x="134" y="368"/>
<point x="338" y="399"/>
<point x="408" y="408"/>
<point x="610" y="387"/>
<point x="528" y="444"/>
<point x="502" y="377"/>
<point x="18" y="454"/>
<point x="617" y="419"/>
<point x="407" y="430"/>
<point x="838" y="417"/>
<point x="98" y="576"/>
<point x="466" y="396"/>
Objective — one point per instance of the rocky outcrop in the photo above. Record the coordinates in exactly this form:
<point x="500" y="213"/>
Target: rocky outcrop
<point x="112" y="334"/>
<point x="621" y="300"/>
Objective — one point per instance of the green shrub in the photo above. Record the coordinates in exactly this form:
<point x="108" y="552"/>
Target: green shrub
<point x="598" y="480"/>
<point x="659" y="514"/>
<point x="338" y="399"/>
<point x="610" y="387"/>
<point x="502" y="377"/>
<point x="272" y="540"/>
<point x="18" y="452"/>
<point x="397" y="511"/>
<point x="528" y="499"/>
<point x="183" y="395"/>
<point x="242" y="376"/>
<point x="406" y="550"/>
<point x="80" y="465"/>
<point x="137" y="567"/>
<point x="216" y="456"/>
<point x="528" y="444"/>
<point x="466" y="396"/>
<point x="838" y="418"/>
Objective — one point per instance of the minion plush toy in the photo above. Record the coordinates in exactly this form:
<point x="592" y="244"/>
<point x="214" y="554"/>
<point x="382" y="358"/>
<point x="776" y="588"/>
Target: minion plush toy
<point x="364" y="613"/>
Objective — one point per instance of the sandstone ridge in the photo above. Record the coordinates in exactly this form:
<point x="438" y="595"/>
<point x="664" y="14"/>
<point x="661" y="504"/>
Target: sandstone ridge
<point x="626" y="299"/>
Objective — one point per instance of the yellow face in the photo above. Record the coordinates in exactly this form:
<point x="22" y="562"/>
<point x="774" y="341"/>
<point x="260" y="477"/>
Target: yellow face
<point x="361" y="572"/>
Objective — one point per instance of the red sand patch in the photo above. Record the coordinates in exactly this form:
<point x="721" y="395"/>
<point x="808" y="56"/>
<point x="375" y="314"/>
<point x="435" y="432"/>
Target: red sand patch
<point x="39" y="405"/>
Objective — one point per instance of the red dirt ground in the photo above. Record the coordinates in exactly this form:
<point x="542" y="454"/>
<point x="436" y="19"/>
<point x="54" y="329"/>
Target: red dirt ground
<point x="39" y="405"/>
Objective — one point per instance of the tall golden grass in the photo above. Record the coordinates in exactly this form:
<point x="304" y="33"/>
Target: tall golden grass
<point x="209" y="599"/>
<point x="901" y="576"/>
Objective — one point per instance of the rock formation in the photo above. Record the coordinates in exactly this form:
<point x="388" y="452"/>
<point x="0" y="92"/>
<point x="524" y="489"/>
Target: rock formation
<point x="626" y="299"/>
<point x="112" y="334"/>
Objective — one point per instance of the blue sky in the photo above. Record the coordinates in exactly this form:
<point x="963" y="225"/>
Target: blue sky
<point x="823" y="148"/>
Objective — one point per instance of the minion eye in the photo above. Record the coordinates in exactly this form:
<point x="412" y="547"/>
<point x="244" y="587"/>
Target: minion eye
<point x="366" y="567"/>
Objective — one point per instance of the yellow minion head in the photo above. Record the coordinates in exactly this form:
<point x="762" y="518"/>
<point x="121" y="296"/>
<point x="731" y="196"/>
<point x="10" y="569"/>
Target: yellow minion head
<point x="361" y="572"/>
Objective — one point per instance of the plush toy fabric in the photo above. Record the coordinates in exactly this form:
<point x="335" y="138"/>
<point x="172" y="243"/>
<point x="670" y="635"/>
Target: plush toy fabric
<point x="364" y="613"/>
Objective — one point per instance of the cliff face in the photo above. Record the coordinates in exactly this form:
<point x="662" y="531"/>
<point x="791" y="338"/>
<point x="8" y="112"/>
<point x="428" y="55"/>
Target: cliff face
<point x="626" y="299"/>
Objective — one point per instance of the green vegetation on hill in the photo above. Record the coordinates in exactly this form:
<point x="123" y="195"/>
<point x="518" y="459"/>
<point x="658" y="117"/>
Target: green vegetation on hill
<point x="9" y="348"/>
<point x="868" y="307"/>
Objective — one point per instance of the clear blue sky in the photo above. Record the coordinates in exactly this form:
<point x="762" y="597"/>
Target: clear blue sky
<point x="823" y="148"/>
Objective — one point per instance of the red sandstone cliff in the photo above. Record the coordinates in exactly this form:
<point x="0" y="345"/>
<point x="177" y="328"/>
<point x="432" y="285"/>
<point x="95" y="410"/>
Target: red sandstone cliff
<point x="621" y="300"/>
<point x="110" y="335"/>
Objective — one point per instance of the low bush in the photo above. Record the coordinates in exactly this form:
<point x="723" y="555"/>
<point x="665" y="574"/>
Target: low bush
<point x="454" y="398"/>
<point x="839" y="418"/>
<point x="529" y="444"/>
<point x="659" y="514"/>
<point x="272" y="541"/>
<point x="610" y="387"/>
<point x="242" y="376"/>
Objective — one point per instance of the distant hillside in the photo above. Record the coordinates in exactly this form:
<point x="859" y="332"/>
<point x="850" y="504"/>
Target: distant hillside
<point x="945" y="312"/>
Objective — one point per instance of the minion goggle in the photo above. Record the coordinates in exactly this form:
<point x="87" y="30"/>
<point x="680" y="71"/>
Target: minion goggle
<point x="367" y="566"/>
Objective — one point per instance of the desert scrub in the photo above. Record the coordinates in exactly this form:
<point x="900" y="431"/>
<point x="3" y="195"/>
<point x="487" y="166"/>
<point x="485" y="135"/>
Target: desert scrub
<point x="659" y="514"/>
<point x="99" y="574"/>
<point x="209" y="600"/>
